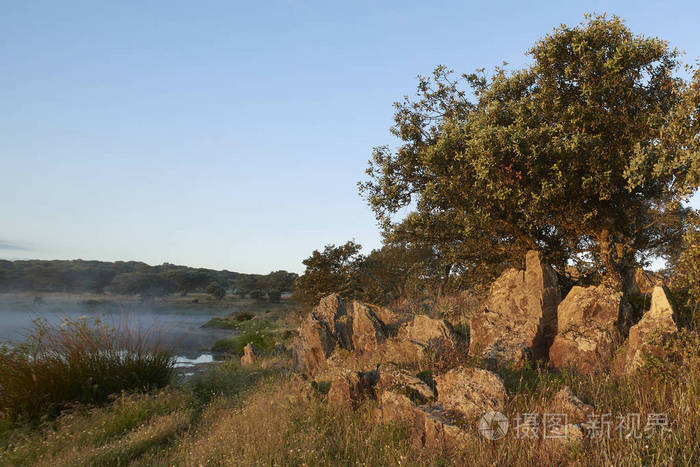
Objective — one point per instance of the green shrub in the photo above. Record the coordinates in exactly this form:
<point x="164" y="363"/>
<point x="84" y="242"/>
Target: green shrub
<point x="79" y="361"/>
<point x="262" y="340"/>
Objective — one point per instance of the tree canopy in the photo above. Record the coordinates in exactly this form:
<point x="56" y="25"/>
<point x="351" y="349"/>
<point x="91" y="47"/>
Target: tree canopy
<point x="586" y="154"/>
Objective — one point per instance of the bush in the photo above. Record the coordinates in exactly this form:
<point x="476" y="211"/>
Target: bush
<point x="77" y="362"/>
<point x="262" y="340"/>
<point x="216" y="291"/>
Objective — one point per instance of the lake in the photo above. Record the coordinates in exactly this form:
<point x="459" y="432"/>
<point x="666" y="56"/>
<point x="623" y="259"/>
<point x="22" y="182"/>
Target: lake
<point x="177" y="326"/>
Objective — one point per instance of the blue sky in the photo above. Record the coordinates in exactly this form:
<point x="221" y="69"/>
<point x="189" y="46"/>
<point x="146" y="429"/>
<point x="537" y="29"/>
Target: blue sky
<point x="231" y="134"/>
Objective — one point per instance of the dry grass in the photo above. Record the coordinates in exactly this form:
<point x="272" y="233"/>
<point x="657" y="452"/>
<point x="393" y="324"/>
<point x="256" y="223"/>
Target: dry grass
<point x="266" y="415"/>
<point x="79" y="361"/>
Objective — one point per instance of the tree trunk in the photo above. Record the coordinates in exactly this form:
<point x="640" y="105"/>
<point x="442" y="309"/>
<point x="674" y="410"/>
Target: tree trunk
<point x="613" y="276"/>
<point x="445" y="278"/>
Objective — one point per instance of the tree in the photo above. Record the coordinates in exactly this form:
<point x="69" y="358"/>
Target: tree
<point x="586" y="154"/>
<point x="187" y="280"/>
<point x="144" y="283"/>
<point x="331" y="271"/>
<point x="686" y="269"/>
<point x="216" y="290"/>
<point x="274" y="296"/>
<point x="246" y="283"/>
<point x="281" y="281"/>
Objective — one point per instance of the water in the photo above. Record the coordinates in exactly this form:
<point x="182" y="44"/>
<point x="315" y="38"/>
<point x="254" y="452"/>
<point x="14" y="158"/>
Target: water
<point x="176" y="326"/>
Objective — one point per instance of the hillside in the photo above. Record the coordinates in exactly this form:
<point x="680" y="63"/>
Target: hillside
<point x="130" y="278"/>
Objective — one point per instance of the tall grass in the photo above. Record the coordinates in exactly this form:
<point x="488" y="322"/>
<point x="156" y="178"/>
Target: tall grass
<point x="78" y="361"/>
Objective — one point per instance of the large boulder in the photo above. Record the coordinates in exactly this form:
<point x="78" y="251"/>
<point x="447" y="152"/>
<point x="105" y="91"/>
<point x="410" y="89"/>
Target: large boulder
<point x="413" y="338"/>
<point x="518" y="320"/>
<point x="470" y="392"/>
<point x="314" y="345"/>
<point x="350" y="388"/>
<point x="658" y="321"/>
<point x="336" y="314"/>
<point x="332" y="324"/>
<point x="393" y="378"/>
<point x="422" y="330"/>
<point x="329" y="309"/>
<point x="430" y="425"/>
<point x="367" y="331"/>
<point x="588" y="320"/>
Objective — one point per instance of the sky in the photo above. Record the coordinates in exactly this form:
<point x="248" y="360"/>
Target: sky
<point x="232" y="135"/>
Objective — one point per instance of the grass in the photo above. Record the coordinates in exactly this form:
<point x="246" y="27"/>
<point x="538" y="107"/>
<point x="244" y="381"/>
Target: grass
<point x="265" y="415"/>
<point x="78" y="361"/>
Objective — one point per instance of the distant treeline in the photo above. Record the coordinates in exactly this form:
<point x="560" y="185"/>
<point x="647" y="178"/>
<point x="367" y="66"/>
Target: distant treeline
<point x="134" y="278"/>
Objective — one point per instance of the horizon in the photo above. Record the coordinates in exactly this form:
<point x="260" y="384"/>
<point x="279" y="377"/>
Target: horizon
<point x="230" y="136"/>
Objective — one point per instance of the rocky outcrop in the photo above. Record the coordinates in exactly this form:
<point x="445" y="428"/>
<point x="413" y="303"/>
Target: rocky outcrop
<point x="250" y="355"/>
<point x="313" y="346"/>
<point x="414" y="337"/>
<point x="386" y="316"/>
<point x="392" y="378"/>
<point x="335" y="324"/>
<point x="587" y="329"/>
<point x="329" y="310"/>
<point x="367" y="331"/>
<point x="430" y="425"/>
<point x="349" y="389"/>
<point x="518" y="320"/>
<point x="470" y="392"/>
<point x="658" y="321"/>
<point x="422" y="329"/>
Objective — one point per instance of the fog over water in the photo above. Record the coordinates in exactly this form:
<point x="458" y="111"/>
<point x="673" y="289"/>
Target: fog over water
<point x="179" y="327"/>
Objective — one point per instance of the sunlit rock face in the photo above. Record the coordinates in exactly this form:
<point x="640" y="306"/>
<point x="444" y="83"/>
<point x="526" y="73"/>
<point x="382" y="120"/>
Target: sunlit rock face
<point x="518" y="319"/>
<point x="587" y="324"/>
<point x="643" y="337"/>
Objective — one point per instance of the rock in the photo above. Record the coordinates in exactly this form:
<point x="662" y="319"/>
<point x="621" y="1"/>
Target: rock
<point x="401" y="351"/>
<point x="565" y="402"/>
<point x="395" y="407"/>
<point x="329" y="309"/>
<point x="367" y="331"/>
<point x="350" y="388"/>
<point x="335" y="313"/>
<point x="423" y="329"/>
<point x="470" y="391"/>
<point x="639" y="281"/>
<point x="430" y="426"/>
<point x="314" y="346"/>
<point x="386" y="316"/>
<point x="391" y="378"/>
<point x="250" y="355"/>
<point x="439" y="430"/>
<point x="658" y="321"/>
<point x="518" y="320"/>
<point x="587" y="329"/>
<point x="336" y="324"/>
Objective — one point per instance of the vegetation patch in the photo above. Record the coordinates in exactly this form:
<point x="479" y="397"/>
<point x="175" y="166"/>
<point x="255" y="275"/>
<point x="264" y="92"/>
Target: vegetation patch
<point x="79" y="361"/>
